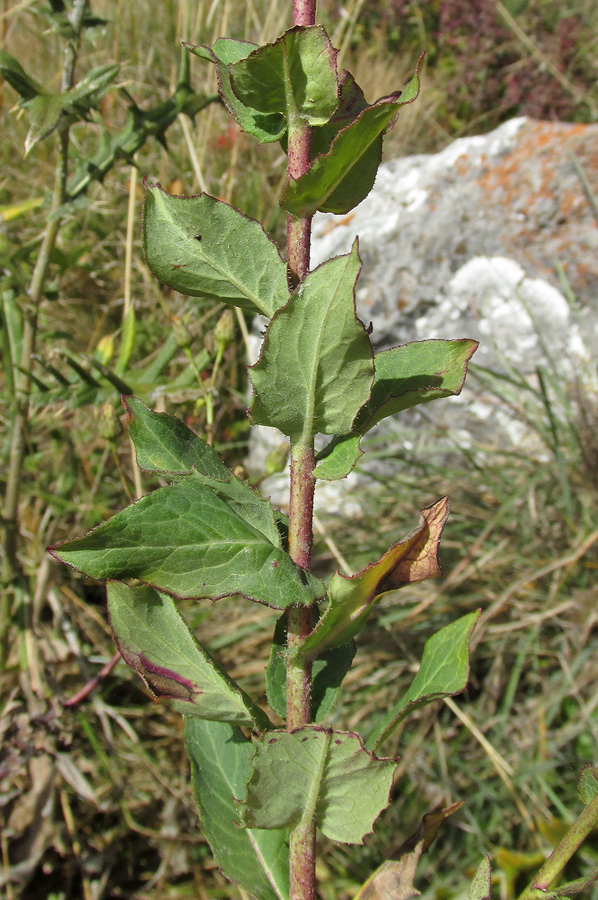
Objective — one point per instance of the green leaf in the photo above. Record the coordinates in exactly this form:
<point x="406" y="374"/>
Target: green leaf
<point x="415" y="373"/>
<point x="165" y="444"/>
<point x="315" y="370"/>
<point x="294" y="76"/>
<point x="444" y="671"/>
<point x="351" y="598"/>
<point x="188" y="540"/>
<point x="352" y="102"/>
<point x="154" y="640"/>
<point x="355" y="187"/>
<point x="226" y="50"/>
<point x="404" y="376"/>
<point x="338" y="180"/>
<point x="203" y="247"/>
<point x="480" y="887"/>
<point x="81" y="98"/>
<point x="317" y="773"/>
<point x="45" y="112"/>
<point x="258" y="860"/>
<point x="265" y="127"/>
<point x="339" y="458"/>
<point x="12" y="71"/>
<point x="328" y="671"/>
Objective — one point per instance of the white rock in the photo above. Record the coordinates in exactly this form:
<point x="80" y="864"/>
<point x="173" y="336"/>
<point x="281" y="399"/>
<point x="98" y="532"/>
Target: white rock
<point x="464" y="243"/>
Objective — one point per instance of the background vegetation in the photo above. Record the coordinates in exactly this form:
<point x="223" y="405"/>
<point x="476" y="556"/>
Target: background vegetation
<point x="95" y="800"/>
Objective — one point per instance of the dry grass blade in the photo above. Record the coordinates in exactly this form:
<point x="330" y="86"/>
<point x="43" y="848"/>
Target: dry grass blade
<point x="502" y="767"/>
<point x="563" y="562"/>
<point x="337" y="555"/>
<point x="18" y="7"/>
<point x="192" y="153"/>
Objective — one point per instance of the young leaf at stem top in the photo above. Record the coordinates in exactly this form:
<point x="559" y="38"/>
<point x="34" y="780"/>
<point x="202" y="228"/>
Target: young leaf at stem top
<point x="315" y="370"/>
<point x="266" y="127"/>
<point x="293" y="77"/>
<point x="341" y="178"/>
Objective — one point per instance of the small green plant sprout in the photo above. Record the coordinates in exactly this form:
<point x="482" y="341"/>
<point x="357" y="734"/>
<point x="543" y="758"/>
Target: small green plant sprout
<point x="263" y="790"/>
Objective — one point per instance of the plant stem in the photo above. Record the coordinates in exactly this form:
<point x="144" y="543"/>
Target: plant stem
<point x="304" y="12"/>
<point x="298" y="230"/>
<point x="10" y="565"/>
<point x="299" y="620"/>
<point x="560" y="856"/>
<point x="302" y="851"/>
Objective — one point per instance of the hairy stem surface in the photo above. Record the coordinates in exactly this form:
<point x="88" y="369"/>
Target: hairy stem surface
<point x="302" y="857"/>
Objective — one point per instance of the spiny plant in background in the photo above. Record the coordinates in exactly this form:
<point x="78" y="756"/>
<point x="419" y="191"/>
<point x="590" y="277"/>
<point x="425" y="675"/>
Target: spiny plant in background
<point x="28" y="376"/>
<point x="262" y="789"/>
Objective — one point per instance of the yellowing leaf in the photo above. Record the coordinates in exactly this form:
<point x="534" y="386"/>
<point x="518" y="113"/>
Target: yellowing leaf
<point x="394" y="879"/>
<point x="351" y="598"/>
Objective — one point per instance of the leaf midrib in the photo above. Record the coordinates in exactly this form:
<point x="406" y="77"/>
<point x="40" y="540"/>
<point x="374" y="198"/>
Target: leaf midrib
<point x="243" y="542"/>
